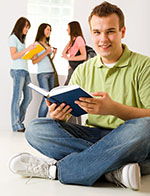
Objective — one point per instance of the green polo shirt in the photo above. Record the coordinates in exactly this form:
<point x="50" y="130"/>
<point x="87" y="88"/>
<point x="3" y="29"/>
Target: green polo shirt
<point x="127" y="82"/>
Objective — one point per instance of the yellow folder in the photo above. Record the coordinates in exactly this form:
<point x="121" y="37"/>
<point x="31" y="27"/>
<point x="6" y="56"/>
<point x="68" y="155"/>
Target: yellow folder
<point x="28" y="55"/>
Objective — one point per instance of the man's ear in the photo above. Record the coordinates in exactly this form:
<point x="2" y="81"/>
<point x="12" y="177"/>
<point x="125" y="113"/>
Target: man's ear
<point x="123" y="31"/>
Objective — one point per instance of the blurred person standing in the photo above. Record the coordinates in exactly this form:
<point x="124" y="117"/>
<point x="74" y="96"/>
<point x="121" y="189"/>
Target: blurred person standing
<point x="46" y="71"/>
<point x="22" y="95"/>
<point x="75" y="50"/>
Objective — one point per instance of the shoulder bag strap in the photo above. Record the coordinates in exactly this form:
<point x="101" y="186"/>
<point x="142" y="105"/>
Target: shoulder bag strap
<point x="71" y="46"/>
<point x="56" y="75"/>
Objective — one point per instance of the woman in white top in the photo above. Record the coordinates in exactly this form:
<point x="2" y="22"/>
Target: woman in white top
<point x="19" y="72"/>
<point x="46" y="69"/>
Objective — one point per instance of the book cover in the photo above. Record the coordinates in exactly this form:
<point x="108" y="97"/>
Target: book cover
<point x="38" y="48"/>
<point x="64" y="94"/>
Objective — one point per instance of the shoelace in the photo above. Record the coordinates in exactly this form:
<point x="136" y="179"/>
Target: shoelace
<point x="117" y="182"/>
<point x="117" y="179"/>
<point x="39" y="168"/>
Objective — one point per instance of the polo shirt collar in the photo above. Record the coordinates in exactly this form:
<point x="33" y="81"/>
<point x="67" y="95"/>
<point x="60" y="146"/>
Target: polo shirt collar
<point x="123" y="60"/>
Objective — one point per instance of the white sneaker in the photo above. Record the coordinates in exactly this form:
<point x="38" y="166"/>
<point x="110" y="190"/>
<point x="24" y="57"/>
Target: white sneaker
<point x="128" y="176"/>
<point x="28" y="165"/>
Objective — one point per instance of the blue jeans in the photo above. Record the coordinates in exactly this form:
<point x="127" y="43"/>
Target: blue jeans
<point x="46" y="81"/>
<point x="20" y="103"/>
<point x="84" y="154"/>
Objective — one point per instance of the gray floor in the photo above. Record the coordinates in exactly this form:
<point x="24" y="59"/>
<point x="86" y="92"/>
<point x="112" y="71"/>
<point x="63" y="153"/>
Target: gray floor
<point x="13" y="185"/>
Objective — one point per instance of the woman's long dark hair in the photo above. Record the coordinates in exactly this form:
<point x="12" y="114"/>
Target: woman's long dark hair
<point x="40" y="32"/>
<point x="75" y="30"/>
<point x="18" y="28"/>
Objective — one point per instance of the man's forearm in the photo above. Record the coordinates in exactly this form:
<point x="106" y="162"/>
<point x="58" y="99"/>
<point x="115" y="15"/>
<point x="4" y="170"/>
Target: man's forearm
<point x="125" y="112"/>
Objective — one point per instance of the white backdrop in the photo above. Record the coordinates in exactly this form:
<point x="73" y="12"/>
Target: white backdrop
<point x="137" y="38"/>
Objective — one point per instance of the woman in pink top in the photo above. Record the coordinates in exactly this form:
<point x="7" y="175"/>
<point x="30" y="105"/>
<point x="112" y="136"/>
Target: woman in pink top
<point x="75" y="50"/>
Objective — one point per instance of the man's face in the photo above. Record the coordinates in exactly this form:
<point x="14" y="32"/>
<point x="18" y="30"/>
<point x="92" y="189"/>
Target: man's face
<point x="107" y="37"/>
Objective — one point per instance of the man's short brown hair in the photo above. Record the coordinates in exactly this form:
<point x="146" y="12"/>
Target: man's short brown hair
<point x="106" y="9"/>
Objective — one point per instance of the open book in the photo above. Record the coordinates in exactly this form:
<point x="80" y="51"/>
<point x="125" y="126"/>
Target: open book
<point x="64" y="94"/>
<point x="29" y="54"/>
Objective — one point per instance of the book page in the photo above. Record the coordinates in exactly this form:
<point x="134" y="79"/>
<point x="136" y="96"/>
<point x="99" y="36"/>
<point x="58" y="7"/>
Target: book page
<point x="62" y="89"/>
<point x="39" y="90"/>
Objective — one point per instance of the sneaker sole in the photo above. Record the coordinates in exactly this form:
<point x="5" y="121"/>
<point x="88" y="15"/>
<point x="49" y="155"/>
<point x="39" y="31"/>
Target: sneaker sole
<point x="132" y="176"/>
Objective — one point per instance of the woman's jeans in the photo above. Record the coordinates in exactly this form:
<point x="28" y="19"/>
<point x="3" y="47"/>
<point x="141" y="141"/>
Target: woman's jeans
<point x="21" y="98"/>
<point x="84" y="154"/>
<point x="46" y="81"/>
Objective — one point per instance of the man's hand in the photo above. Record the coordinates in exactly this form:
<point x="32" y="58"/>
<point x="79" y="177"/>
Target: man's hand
<point x="58" y="113"/>
<point x="102" y="105"/>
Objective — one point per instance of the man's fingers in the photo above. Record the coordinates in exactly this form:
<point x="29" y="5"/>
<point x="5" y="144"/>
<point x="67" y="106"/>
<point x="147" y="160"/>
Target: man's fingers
<point x="48" y="103"/>
<point x="84" y="105"/>
<point x="59" y="112"/>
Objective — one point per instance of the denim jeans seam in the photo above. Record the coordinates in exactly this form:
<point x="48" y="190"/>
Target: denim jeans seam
<point x="59" y="168"/>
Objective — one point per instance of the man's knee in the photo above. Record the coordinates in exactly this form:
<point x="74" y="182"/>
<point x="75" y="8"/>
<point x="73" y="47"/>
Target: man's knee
<point x="140" y="127"/>
<point x="143" y="125"/>
<point x="37" y="127"/>
<point x="31" y="130"/>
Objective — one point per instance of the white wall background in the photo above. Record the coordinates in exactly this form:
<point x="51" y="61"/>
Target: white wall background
<point x="137" y="38"/>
